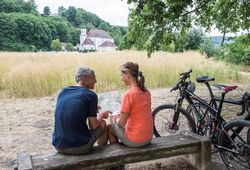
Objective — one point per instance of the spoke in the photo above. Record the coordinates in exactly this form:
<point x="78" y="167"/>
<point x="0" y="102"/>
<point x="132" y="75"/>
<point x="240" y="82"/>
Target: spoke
<point x="231" y="158"/>
<point x="237" y="135"/>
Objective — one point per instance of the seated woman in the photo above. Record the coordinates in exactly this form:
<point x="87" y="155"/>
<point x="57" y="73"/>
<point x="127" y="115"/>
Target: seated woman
<point x="133" y="126"/>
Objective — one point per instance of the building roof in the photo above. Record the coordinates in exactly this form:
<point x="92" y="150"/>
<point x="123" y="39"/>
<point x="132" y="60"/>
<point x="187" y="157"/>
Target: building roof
<point x="88" y="41"/>
<point x="98" y="33"/>
<point x="107" y="44"/>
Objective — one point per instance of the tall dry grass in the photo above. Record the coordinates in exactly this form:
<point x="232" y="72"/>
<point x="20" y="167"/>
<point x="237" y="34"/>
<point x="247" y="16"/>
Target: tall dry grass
<point x="42" y="74"/>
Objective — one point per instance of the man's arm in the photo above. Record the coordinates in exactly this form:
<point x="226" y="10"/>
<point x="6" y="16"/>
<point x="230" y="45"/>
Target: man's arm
<point x="94" y="122"/>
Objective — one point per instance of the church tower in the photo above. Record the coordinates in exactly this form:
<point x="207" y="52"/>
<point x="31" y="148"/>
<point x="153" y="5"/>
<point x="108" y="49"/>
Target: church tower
<point x="83" y="36"/>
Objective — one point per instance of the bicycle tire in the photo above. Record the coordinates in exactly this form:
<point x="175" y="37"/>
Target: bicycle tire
<point x="201" y="116"/>
<point x="240" y="159"/>
<point x="165" y="113"/>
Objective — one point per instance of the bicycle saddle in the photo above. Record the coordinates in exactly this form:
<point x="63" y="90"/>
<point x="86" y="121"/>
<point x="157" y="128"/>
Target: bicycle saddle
<point x="203" y="79"/>
<point x="225" y="88"/>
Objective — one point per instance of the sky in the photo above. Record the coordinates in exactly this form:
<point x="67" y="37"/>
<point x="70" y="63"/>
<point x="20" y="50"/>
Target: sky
<point x="113" y="11"/>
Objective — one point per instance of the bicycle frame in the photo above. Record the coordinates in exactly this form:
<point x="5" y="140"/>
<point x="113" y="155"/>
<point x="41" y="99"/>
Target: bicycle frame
<point x="210" y="106"/>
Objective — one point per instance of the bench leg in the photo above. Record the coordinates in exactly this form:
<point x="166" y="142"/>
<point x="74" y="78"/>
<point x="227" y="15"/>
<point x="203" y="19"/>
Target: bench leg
<point x="202" y="159"/>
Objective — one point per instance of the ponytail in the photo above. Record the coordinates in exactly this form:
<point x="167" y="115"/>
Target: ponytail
<point x="140" y="81"/>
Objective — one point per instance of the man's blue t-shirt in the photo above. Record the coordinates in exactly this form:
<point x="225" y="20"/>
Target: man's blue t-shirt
<point x="74" y="105"/>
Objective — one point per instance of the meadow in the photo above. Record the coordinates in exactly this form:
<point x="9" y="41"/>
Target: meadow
<point x="40" y="74"/>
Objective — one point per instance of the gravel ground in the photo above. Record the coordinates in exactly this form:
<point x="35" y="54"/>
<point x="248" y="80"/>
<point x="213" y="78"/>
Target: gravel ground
<point x="27" y="124"/>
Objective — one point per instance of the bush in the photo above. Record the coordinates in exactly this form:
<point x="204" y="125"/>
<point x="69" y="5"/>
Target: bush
<point x="56" y="45"/>
<point x="15" y="46"/>
<point x="69" y="47"/>
<point x="238" y="52"/>
<point x="86" y="51"/>
<point x="208" y="48"/>
<point x="168" y="48"/>
<point x="192" y="40"/>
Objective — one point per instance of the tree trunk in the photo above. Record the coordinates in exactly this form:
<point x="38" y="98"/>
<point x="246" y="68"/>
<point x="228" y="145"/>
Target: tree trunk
<point x="223" y="38"/>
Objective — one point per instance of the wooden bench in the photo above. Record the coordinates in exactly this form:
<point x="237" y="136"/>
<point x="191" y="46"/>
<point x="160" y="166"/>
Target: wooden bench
<point x="197" y="148"/>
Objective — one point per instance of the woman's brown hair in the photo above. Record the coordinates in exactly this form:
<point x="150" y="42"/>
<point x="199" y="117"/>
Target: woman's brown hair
<point x="133" y="69"/>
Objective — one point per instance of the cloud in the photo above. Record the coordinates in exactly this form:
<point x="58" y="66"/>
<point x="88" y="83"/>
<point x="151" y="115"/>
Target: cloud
<point x="113" y="11"/>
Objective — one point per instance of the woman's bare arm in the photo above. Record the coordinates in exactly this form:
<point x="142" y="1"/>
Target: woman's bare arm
<point x="122" y="119"/>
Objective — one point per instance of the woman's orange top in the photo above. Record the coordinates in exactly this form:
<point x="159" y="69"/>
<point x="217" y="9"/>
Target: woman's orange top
<point x="139" y="125"/>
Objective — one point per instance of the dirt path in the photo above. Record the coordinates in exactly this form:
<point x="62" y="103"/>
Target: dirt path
<point x="27" y="124"/>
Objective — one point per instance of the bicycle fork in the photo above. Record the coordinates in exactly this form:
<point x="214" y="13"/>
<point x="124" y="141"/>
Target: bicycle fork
<point x="174" y="124"/>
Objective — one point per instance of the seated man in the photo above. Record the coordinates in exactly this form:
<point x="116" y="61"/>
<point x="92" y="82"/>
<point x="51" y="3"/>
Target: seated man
<point x="75" y="105"/>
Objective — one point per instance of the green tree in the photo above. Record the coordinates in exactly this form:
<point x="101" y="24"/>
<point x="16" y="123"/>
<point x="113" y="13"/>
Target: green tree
<point x="149" y="21"/>
<point x="63" y="31"/>
<point x="7" y="28"/>
<point x="238" y="52"/>
<point x="79" y="18"/>
<point x="29" y="6"/>
<point x="46" y="11"/>
<point x="9" y="6"/>
<point x="75" y="32"/>
<point x="71" y="14"/>
<point x="193" y="39"/>
<point x="61" y="10"/>
<point x="125" y="43"/>
<point x="56" y="45"/>
<point x="69" y="47"/>
<point x="207" y="47"/>
<point x="32" y="30"/>
<point x="103" y="26"/>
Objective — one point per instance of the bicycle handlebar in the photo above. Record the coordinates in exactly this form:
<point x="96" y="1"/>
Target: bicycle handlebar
<point x="183" y="76"/>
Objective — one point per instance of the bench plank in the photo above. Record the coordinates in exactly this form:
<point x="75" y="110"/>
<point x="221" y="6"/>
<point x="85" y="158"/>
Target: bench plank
<point x="118" y="154"/>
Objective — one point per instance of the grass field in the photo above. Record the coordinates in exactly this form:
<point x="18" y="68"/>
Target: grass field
<point x="42" y="74"/>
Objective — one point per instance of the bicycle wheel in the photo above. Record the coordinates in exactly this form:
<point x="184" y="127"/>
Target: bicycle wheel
<point x="163" y="121"/>
<point x="200" y="115"/>
<point x="234" y="144"/>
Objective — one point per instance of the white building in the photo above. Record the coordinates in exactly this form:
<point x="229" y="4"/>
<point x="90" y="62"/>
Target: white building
<point x="97" y="40"/>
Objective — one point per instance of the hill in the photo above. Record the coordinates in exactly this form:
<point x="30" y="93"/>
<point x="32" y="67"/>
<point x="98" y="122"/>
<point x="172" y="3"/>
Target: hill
<point x="23" y="28"/>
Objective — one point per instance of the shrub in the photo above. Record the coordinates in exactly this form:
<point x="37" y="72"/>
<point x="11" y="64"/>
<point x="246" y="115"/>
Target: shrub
<point x="207" y="47"/>
<point x="237" y="52"/>
<point x="56" y="45"/>
<point x="192" y="40"/>
<point x="69" y="47"/>
<point x="16" y="46"/>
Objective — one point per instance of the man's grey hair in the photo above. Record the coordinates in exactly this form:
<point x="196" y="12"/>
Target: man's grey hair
<point x="81" y="72"/>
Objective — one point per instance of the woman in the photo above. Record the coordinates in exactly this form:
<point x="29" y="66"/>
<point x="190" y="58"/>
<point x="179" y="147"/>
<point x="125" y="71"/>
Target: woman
<point x="133" y="126"/>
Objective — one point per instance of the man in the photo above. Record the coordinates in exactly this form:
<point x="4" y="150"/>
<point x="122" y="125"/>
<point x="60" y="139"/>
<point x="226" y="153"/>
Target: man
<point x="75" y="105"/>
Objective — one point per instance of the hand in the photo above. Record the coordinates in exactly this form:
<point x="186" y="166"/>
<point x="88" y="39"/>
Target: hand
<point x="115" y="117"/>
<point x="104" y="115"/>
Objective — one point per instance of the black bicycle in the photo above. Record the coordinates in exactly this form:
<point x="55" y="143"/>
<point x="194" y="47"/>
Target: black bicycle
<point x="232" y="139"/>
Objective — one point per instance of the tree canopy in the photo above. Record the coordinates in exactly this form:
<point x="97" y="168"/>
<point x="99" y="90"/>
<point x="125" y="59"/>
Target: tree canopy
<point x="152" y="23"/>
<point x="9" y="6"/>
<point x="46" y="11"/>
